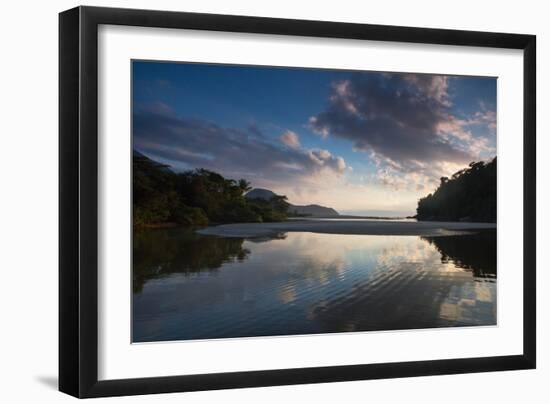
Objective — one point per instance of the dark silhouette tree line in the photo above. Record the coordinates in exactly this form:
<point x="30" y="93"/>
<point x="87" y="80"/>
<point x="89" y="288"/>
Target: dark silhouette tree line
<point x="469" y="195"/>
<point x="195" y="198"/>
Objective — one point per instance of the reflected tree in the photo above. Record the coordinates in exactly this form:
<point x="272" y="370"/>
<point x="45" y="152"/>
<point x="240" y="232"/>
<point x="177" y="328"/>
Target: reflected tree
<point x="161" y="252"/>
<point x="476" y="252"/>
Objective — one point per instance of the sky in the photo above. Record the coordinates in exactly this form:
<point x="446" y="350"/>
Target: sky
<point x="364" y="143"/>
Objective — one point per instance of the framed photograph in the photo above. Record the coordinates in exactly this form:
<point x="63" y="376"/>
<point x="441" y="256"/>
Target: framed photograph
<point x="251" y="201"/>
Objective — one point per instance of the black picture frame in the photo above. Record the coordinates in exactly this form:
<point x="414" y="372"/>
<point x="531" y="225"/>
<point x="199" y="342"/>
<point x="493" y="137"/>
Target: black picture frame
<point x="78" y="201"/>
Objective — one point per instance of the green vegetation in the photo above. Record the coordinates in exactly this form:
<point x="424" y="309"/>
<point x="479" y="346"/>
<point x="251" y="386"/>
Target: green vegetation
<point x="469" y="195"/>
<point x="195" y="198"/>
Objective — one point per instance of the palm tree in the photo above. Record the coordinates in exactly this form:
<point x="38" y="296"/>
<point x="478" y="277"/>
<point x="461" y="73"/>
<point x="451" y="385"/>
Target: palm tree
<point x="244" y="186"/>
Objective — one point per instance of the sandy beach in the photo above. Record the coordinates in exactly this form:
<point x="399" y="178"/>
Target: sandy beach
<point x="371" y="227"/>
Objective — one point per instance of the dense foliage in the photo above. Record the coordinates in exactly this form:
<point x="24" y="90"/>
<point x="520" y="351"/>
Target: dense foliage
<point x="469" y="195"/>
<point x="196" y="197"/>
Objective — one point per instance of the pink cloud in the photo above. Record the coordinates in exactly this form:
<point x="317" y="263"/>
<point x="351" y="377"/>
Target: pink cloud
<point x="290" y="139"/>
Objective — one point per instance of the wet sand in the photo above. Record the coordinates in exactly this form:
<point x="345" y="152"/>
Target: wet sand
<point x="370" y="227"/>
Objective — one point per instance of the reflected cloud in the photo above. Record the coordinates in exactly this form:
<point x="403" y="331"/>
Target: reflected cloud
<point x="300" y="283"/>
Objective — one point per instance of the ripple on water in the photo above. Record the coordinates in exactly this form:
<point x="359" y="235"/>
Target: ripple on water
<point x="203" y="287"/>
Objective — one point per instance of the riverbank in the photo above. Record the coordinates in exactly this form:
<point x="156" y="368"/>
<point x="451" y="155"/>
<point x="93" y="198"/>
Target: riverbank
<point x="374" y="227"/>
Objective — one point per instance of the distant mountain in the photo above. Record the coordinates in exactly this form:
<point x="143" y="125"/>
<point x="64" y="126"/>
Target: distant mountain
<point x="298" y="210"/>
<point x="312" y="210"/>
<point x="260" y="193"/>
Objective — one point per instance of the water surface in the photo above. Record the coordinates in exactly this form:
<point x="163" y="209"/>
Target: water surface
<point x="188" y="286"/>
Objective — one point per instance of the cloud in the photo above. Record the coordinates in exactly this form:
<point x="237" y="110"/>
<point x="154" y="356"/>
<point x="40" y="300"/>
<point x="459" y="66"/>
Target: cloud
<point x="432" y="86"/>
<point x="403" y="122"/>
<point x="323" y="158"/>
<point x="290" y="139"/>
<point x="485" y="117"/>
<point x="236" y="153"/>
<point x="160" y="108"/>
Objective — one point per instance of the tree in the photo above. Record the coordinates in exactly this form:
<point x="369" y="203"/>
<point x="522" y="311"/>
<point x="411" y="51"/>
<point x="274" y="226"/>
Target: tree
<point x="469" y="195"/>
<point x="244" y="186"/>
<point x="195" y="197"/>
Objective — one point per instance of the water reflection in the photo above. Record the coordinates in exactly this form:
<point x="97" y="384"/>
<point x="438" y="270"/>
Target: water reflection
<point x="157" y="253"/>
<point x="188" y="286"/>
<point x="477" y="252"/>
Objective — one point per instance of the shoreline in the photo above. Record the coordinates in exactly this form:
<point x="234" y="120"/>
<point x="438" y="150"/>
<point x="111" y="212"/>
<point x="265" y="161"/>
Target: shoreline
<point x="351" y="227"/>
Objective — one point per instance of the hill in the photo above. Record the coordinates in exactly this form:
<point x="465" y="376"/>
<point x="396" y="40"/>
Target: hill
<point x="470" y="195"/>
<point x="195" y="198"/>
<point x="293" y="210"/>
<point x="260" y="193"/>
<point x="312" y="210"/>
